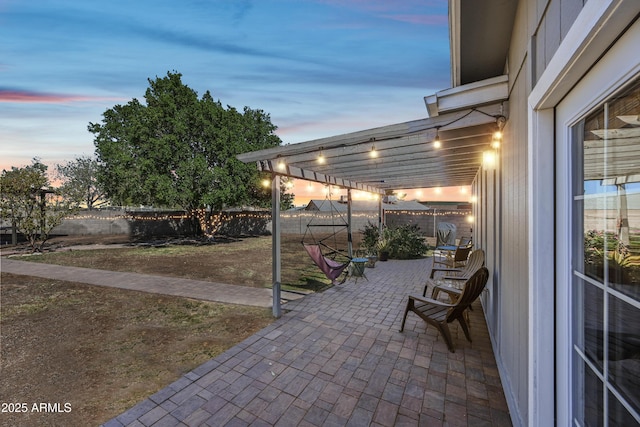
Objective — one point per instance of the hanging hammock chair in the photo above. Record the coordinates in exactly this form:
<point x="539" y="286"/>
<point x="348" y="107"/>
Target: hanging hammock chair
<point x="329" y="259"/>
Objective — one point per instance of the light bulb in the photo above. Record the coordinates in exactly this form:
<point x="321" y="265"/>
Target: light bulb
<point x="436" y="140"/>
<point x="489" y="159"/>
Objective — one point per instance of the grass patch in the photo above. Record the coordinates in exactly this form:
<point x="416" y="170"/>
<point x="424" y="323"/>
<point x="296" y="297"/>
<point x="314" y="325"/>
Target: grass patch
<point x="102" y="349"/>
<point x="245" y="262"/>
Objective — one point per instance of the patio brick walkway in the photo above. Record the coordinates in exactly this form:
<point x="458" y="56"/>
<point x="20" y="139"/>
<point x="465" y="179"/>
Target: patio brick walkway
<point x="334" y="358"/>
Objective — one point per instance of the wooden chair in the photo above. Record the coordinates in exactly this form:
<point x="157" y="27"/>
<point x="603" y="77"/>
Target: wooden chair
<point x="456" y="275"/>
<point x="475" y="261"/>
<point x="440" y="314"/>
<point x="456" y="259"/>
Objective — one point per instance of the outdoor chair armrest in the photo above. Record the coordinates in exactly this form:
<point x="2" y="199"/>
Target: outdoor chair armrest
<point x="449" y="269"/>
<point x="430" y="301"/>
<point x="458" y="278"/>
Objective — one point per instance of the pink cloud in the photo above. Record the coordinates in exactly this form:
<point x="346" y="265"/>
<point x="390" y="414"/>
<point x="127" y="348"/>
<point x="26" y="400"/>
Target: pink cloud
<point x="21" y="96"/>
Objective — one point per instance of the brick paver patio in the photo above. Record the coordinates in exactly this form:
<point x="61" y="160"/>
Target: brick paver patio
<point x="336" y="358"/>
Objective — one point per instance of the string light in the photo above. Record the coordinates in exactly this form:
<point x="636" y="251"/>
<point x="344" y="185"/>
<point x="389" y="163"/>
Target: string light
<point x="496" y="140"/>
<point x="437" y="143"/>
<point x="489" y="160"/>
<point x="436" y="140"/>
<point x="282" y="165"/>
<point x="373" y="153"/>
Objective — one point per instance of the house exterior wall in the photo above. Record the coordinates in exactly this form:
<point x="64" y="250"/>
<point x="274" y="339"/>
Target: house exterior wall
<point x="515" y="215"/>
<point x="539" y="29"/>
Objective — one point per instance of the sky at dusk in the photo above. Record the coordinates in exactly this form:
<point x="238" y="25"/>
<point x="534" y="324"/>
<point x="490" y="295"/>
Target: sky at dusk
<point x="319" y="67"/>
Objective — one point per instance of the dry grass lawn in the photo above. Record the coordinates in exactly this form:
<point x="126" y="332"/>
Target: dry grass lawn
<point x="102" y="350"/>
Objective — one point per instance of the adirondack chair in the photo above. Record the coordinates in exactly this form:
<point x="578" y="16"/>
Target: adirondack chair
<point x="440" y="314"/>
<point x="453" y="259"/>
<point x="461" y="274"/>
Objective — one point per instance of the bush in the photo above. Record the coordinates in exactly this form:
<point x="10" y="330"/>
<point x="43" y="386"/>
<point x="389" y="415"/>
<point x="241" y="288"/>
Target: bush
<point x="405" y="242"/>
<point x="370" y="237"/>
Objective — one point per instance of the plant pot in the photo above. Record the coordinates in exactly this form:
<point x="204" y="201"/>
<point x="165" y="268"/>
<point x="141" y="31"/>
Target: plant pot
<point x="371" y="261"/>
<point x="383" y="256"/>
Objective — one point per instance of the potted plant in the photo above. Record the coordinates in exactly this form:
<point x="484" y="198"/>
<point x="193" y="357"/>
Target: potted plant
<point x="369" y="243"/>
<point x="383" y="249"/>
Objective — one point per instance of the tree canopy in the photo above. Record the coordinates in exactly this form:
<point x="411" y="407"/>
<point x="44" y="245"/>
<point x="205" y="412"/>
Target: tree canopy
<point x="178" y="150"/>
<point x="79" y="181"/>
<point x="32" y="206"/>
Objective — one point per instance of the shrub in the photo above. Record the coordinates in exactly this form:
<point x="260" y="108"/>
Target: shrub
<point x="404" y="242"/>
<point x="370" y="237"/>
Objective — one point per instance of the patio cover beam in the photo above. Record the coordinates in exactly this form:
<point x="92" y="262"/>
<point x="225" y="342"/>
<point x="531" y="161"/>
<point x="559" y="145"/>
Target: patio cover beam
<point x="406" y="157"/>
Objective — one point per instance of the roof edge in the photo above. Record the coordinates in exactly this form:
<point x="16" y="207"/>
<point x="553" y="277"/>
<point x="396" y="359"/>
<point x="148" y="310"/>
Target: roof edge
<point x="471" y="95"/>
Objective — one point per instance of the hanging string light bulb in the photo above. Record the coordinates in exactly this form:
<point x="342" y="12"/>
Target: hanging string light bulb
<point x="321" y="158"/>
<point x="496" y="140"/>
<point x="436" y="140"/>
<point x="373" y="153"/>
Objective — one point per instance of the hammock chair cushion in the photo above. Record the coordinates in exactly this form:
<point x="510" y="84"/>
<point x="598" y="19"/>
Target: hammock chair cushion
<point x="331" y="268"/>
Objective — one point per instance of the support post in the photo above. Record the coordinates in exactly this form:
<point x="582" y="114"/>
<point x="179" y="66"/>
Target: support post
<point x="380" y="216"/>
<point x="276" y="260"/>
<point x="349" y="230"/>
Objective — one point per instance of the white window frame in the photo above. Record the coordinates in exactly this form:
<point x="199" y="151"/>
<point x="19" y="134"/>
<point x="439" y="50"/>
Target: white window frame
<point x="607" y="77"/>
<point x="596" y="28"/>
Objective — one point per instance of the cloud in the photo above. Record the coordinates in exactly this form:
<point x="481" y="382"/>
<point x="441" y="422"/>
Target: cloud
<point x="30" y="97"/>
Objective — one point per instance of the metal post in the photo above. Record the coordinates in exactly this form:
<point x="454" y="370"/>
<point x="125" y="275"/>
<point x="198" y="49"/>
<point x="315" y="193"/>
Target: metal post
<point x="380" y="216"/>
<point x="349" y="237"/>
<point x="434" y="225"/>
<point x="276" y="260"/>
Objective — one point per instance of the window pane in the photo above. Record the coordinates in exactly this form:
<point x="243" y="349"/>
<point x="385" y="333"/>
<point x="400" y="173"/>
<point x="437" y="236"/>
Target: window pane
<point x="606" y="237"/>
<point x="624" y="350"/>
<point x="592" y="305"/>
<point x="618" y="414"/>
<point x="610" y="142"/>
<point x="588" y="408"/>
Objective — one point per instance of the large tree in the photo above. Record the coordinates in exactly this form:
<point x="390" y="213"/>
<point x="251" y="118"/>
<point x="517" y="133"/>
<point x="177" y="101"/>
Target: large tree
<point x="178" y="150"/>
<point x="30" y="204"/>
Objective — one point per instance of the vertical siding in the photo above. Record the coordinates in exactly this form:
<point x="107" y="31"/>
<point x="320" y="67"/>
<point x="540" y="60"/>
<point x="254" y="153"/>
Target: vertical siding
<point x="540" y="25"/>
<point x="554" y="21"/>
<point x="514" y="285"/>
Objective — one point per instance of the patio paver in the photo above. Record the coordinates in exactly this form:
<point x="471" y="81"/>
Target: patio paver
<point x="336" y="358"/>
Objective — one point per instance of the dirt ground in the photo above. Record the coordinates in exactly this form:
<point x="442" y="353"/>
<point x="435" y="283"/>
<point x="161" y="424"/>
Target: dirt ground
<point x="89" y="353"/>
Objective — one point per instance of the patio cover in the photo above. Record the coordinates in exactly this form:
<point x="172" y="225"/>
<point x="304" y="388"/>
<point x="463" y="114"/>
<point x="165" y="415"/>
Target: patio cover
<point x="464" y="118"/>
